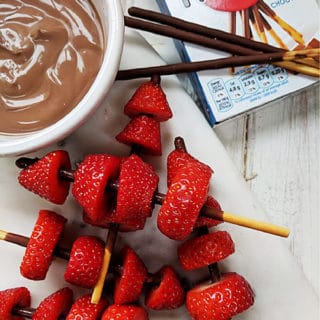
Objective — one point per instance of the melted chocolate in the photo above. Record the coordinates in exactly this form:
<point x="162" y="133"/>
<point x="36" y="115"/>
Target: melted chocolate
<point x="50" y="53"/>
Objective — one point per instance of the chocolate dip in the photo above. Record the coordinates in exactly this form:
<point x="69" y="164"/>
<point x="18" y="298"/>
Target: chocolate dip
<point x="50" y="53"/>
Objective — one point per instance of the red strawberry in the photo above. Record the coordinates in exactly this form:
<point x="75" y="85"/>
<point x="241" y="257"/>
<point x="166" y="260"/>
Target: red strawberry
<point x="220" y="300"/>
<point x="55" y="305"/>
<point x="178" y="159"/>
<point x="144" y="132"/>
<point x="43" y="179"/>
<point x="129" y="286"/>
<point x="90" y="181"/>
<point x="169" y="294"/>
<point x="85" y="261"/>
<point x="184" y="199"/>
<point x="125" y="312"/>
<point x="44" y="238"/>
<point x="230" y="6"/>
<point x="137" y="184"/>
<point x="84" y="309"/>
<point x="203" y="250"/>
<point x="206" y="221"/>
<point x="13" y="297"/>
<point x="149" y="99"/>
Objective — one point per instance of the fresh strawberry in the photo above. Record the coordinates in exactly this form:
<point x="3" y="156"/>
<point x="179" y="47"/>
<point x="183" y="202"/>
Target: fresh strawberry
<point x="125" y="312"/>
<point x="149" y="99"/>
<point x="184" y="199"/>
<point x="203" y="250"/>
<point x="220" y="300"/>
<point x="11" y="298"/>
<point x="129" y="286"/>
<point x="137" y="184"/>
<point x="178" y="159"/>
<point x="83" y="309"/>
<point x="206" y="221"/>
<point x="90" y="181"/>
<point x="54" y="306"/>
<point x="169" y="294"/>
<point x="144" y="132"/>
<point x="85" y="261"/>
<point x="44" y="238"/>
<point x="42" y="177"/>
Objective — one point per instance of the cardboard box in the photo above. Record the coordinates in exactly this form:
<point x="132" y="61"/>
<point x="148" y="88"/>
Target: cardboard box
<point x="223" y="94"/>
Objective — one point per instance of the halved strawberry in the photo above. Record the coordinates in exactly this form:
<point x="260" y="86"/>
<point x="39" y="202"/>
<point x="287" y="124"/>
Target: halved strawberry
<point x="220" y="300"/>
<point x="14" y="297"/>
<point x="149" y="99"/>
<point x="54" y="306"/>
<point x="83" y="309"/>
<point x="203" y="250"/>
<point x="44" y="238"/>
<point x="137" y="184"/>
<point x="144" y="132"/>
<point x="129" y="286"/>
<point x="206" y="221"/>
<point x="90" y="181"/>
<point x="42" y="177"/>
<point x="184" y="199"/>
<point x="125" y="312"/>
<point x="169" y="294"/>
<point x="85" y="261"/>
<point x="177" y="159"/>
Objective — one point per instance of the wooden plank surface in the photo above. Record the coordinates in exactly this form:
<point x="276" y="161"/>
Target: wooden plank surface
<point x="277" y="150"/>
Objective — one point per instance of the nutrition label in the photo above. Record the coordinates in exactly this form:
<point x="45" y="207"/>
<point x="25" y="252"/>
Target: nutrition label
<point x="251" y="84"/>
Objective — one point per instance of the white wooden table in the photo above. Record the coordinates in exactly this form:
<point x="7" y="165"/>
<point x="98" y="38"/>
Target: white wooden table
<point x="277" y="151"/>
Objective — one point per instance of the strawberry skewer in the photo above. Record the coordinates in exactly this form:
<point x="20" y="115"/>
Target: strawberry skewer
<point x="65" y="254"/>
<point x="131" y="275"/>
<point x="206" y="249"/>
<point x="158" y="198"/>
<point x="147" y="108"/>
<point x="223" y="295"/>
<point x="15" y="304"/>
<point x="108" y="313"/>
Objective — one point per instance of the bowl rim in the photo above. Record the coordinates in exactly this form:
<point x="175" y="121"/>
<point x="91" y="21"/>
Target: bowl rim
<point x="33" y="141"/>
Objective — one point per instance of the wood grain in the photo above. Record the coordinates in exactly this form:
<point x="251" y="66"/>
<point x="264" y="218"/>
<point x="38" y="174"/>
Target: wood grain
<point x="280" y="152"/>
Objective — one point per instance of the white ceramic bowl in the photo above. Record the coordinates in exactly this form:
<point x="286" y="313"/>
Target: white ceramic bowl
<point x="111" y="15"/>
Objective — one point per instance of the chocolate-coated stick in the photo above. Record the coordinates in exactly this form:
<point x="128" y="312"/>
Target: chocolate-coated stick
<point x="190" y="32"/>
<point x="233" y="30"/>
<point x="206" y="211"/>
<point x="282" y="59"/>
<point x="260" y="26"/>
<point x="295" y="35"/>
<point x="272" y="33"/>
<point x="20" y="240"/>
<point x="246" y="24"/>
<point x="24" y="312"/>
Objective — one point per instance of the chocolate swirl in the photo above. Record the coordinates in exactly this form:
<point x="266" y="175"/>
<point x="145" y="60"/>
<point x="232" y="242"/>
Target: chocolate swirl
<point x="50" y="53"/>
